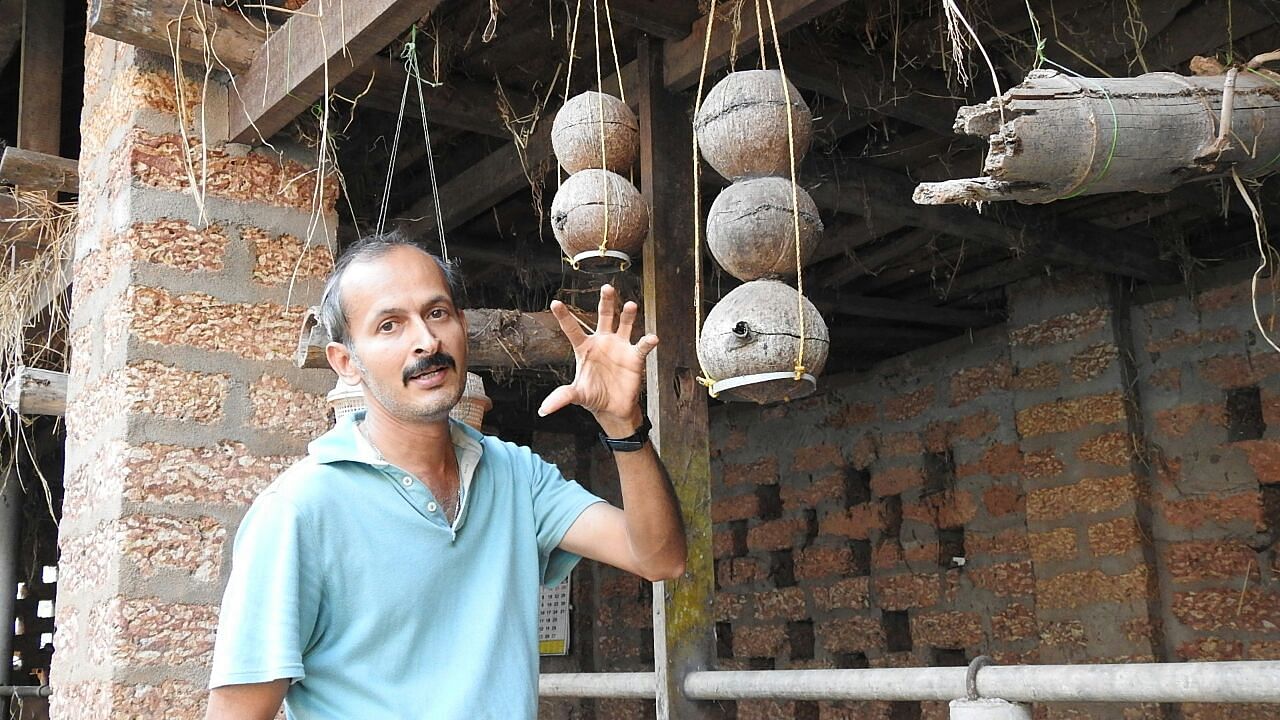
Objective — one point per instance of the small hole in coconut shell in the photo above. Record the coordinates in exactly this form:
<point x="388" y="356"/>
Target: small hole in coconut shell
<point x="742" y="329"/>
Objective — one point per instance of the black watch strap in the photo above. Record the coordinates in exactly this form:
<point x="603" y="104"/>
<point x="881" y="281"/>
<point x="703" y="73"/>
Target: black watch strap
<point x="632" y="442"/>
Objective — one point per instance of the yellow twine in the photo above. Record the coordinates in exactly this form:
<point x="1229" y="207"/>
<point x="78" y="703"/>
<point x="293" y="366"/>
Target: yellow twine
<point x="764" y="65"/>
<point x="795" y="200"/>
<point x="604" y="172"/>
<point x="705" y="378"/>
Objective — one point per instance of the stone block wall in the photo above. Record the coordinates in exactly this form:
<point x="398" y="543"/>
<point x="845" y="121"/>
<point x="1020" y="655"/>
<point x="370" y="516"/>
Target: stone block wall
<point x="1091" y="482"/>
<point x="183" y="402"/>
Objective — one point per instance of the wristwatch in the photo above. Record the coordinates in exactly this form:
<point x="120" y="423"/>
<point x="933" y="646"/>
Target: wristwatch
<point x="632" y="442"/>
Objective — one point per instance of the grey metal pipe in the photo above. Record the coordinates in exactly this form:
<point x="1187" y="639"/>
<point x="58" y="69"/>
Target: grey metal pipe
<point x="1217" y="682"/>
<point x="876" y="684"/>
<point x="10" y="520"/>
<point x="25" y="691"/>
<point x="639" y="685"/>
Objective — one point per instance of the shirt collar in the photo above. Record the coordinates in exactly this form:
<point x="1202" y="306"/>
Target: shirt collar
<point x="345" y="443"/>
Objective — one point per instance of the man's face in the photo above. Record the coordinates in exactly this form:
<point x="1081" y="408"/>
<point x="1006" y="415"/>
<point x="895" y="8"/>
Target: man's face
<point x="409" y="341"/>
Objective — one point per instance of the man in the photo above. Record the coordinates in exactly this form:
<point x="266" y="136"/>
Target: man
<point x="393" y="572"/>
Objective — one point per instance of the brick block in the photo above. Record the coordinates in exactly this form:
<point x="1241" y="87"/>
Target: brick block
<point x="1211" y="560"/>
<point x="1221" y="711"/>
<point x="1070" y="414"/>
<point x="909" y="405"/>
<point x="855" y="523"/>
<point x="729" y="607"/>
<point x="949" y="509"/>
<point x="1210" y="649"/>
<point x="1015" y="622"/>
<point x="907" y="590"/>
<point x="1168" y="379"/>
<point x="278" y="405"/>
<point x="1180" y="338"/>
<point x="1042" y="464"/>
<point x="852" y="414"/>
<point x="154" y="632"/>
<point x="865" y="450"/>
<point x="191" y="545"/>
<point x="1234" y="295"/>
<point x="798" y="496"/>
<point x="895" y="480"/>
<point x="738" y="507"/>
<point x="1040" y="376"/>
<point x="259" y="331"/>
<point x="1264" y="458"/>
<point x="1232" y="371"/>
<point x="1052" y="546"/>
<point x="819" y="562"/>
<point x="999" y="459"/>
<point x="852" y="593"/>
<point x="938" y="436"/>
<point x="739" y="571"/>
<point x="1115" y="537"/>
<point x="1253" y="610"/>
<point x="1066" y="633"/>
<point x="1001" y="500"/>
<point x="947" y="629"/>
<point x="167" y="700"/>
<point x="1012" y="579"/>
<point x="1177" y="422"/>
<point x="759" y="641"/>
<point x="973" y="382"/>
<point x="850" y="635"/>
<point x="1263" y="650"/>
<point x="177" y="244"/>
<point x="898" y="444"/>
<point x="785" y="603"/>
<point x="1060" y="329"/>
<point x="1213" y="509"/>
<point x="816" y="457"/>
<point x="776" y="534"/>
<point x="1092" y="361"/>
<point x="887" y="554"/>
<point x="763" y="471"/>
<point x="284" y="258"/>
<point x="1111" y="448"/>
<point x="225" y="473"/>
<point x="1090" y="495"/>
<point x="1087" y="587"/>
<point x="1005" y="542"/>
<point x="153" y="388"/>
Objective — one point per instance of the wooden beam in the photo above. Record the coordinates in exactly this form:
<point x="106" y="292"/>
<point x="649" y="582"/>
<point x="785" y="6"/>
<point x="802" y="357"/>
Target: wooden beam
<point x="10" y="29"/>
<point x="867" y="189"/>
<point x="889" y="309"/>
<point x="231" y="38"/>
<point x="683" y="614"/>
<point x="40" y="87"/>
<point x="322" y="44"/>
<point x="666" y="19"/>
<point x="495" y="339"/>
<point x="502" y="173"/>
<point x="32" y="391"/>
<point x="458" y="103"/>
<point x="873" y="262"/>
<point x="37" y="171"/>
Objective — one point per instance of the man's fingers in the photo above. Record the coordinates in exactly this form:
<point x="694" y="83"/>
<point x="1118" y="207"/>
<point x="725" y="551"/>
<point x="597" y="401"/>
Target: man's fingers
<point x="627" y="320"/>
<point x="560" y="397"/>
<point x="646" y="344"/>
<point x="606" y="310"/>
<point x="568" y="323"/>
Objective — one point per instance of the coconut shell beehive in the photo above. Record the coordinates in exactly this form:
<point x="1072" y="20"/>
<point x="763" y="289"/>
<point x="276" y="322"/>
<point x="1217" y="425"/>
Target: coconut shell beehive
<point x="577" y="129"/>
<point x="755" y="331"/>
<point x="742" y="125"/>
<point x="578" y="216"/>
<point x="751" y="228"/>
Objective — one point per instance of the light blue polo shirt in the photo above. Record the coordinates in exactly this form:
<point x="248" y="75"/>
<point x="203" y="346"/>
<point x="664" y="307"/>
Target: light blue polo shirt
<point x="348" y="579"/>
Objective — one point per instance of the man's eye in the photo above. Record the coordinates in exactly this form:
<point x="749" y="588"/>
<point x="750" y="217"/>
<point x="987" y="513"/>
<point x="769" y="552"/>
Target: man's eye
<point x="387" y="326"/>
<point x="439" y="313"/>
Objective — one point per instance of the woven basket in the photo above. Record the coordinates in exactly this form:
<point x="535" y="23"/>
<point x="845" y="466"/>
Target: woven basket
<point x="345" y="399"/>
<point x="473" y="404"/>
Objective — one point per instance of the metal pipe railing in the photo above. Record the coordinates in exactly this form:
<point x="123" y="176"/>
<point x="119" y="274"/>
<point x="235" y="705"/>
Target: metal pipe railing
<point x="1213" y="682"/>
<point x="25" y="691"/>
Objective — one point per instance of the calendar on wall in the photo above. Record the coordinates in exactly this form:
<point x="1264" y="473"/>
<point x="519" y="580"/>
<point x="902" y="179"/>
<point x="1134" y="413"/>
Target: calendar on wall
<point x="553" y="620"/>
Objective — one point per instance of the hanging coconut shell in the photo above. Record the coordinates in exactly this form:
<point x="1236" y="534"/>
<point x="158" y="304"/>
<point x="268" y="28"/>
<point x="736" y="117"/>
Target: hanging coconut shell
<point x="578" y="219"/>
<point x="755" y="331"/>
<point x="742" y="125"/>
<point x="751" y="229"/>
<point x="575" y="134"/>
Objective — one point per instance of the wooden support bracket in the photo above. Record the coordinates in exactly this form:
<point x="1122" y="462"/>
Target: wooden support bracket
<point x="31" y="170"/>
<point x="32" y="391"/>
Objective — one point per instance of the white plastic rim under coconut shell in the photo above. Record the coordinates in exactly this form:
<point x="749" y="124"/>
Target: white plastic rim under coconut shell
<point x="751" y="340"/>
<point x="345" y="399"/>
<point x="742" y="125"/>
<point x="578" y="220"/>
<point x="751" y="228"/>
<point x="576" y="131"/>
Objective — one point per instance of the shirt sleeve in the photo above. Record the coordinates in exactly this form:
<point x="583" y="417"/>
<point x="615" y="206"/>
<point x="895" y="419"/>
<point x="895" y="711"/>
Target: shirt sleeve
<point x="557" y="503"/>
<point x="272" y="599"/>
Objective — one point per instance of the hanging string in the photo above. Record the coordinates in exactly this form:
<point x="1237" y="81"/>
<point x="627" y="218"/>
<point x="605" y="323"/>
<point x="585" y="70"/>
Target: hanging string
<point x="604" y="174"/>
<point x="1264" y="249"/>
<point x="426" y="136"/>
<point x="764" y="56"/>
<point x="568" y="76"/>
<point x="395" y="139"/>
<point x="1115" y="133"/>
<point x="704" y="378"/>
<point x="795" y="192"/>
<point x="613" y="46"/>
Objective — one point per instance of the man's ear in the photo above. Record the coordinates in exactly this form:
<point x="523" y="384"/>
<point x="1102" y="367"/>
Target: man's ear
<point x="342" y="362"/>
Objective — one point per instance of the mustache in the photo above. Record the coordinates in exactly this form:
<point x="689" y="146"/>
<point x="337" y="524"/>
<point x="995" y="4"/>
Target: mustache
<point x="428" y="363"/>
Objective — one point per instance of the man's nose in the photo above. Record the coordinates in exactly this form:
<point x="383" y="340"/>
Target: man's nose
<point x="425" y="342"/>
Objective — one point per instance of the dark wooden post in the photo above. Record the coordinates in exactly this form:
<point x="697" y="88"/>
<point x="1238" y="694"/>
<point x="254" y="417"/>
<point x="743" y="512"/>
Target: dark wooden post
<point x="40" y="89"/>
<point x="683" y="621"/>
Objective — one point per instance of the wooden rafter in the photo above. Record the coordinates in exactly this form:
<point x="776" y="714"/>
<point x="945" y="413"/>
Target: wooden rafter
<point x="313" y="51"/>
<point x="458" y="103"/>
<point x="666" y="19"/>
<point x="40" y="88"/>
<point x="37" y="171"/>
<point x="10" y="29"/>
<point x="231" y="38"/>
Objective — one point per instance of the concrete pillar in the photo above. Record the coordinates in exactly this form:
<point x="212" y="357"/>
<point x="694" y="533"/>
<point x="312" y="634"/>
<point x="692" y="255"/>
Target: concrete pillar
<point x="989" y="709"/>
<point x="182" y="401"/>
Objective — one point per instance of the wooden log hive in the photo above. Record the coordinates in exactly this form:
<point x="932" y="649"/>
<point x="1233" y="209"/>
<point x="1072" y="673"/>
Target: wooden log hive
<point x="576" y="134"/>
<point x="751" y="228"/>
<point x="742" y="125"/>
<point x="578" y="216"/>
<point x="1054" y="136"/>
<point x="754" y="330"/>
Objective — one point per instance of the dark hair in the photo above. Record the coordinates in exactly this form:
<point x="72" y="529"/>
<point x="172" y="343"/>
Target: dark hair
<point x="333" y="316"/>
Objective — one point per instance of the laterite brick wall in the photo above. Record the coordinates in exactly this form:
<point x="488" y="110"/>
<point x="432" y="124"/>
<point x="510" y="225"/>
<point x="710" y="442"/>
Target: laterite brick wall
<point x="183" y="400"/>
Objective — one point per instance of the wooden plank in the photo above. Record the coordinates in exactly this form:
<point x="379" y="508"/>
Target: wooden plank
<point x="31" y="170"/>
<point x="40" y="88"/>
<point x="666" y="19"/>
<point x="148" y="24"/>
<point x="495" y="339"/>
<point x="10" y="29"/>
<point x="459" y="103"/>
<point x="32" y="391"/>
<point x="889" y="309"/>
<point x="683" y="617"/>
<point x="323" y="44"/>
<point x="873" y="262"/>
